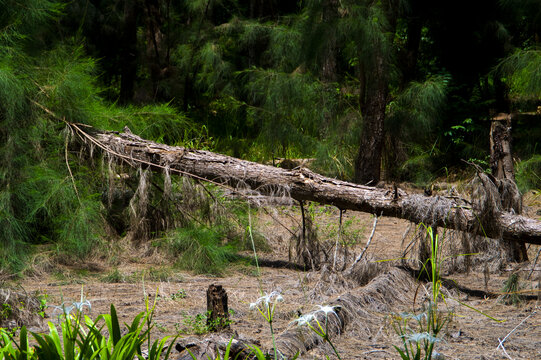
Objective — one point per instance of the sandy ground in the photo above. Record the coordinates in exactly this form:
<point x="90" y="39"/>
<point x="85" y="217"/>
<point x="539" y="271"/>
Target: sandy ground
<point x="470" y="334"/>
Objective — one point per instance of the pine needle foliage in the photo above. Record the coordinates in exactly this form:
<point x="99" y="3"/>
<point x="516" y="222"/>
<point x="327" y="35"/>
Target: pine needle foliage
<point x="200" y="249"/>
<point x="49" y="194"/>
<point x="290" y="108"/>
<point x="413" y="116"/>
<point x="522" y="71"/>
<point x="529" y="174"/>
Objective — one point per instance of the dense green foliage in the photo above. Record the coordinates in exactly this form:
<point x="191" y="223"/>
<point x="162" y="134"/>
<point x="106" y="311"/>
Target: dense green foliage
<point x="255" y="79"/>
<point x="82" y="338"/>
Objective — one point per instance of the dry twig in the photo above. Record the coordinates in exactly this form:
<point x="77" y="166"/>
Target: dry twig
<point x="376" y="218"/>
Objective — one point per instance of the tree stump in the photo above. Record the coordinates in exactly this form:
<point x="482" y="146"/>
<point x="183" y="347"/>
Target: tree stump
<point x="502" y="166"/>
<point x="217" y="310"/>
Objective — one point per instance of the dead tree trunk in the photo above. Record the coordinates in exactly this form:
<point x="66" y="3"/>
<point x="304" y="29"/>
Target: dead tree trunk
<point x="303" y="184"/>
<point x="501" y="163"/>
<point x="501" y="160"/>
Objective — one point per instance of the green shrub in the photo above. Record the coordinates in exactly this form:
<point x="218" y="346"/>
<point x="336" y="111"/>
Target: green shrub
<point x="529" y="174"/>
<point x="200" y="249"/>
<point x="417" y="169"/>
<point x="511" y="290"/>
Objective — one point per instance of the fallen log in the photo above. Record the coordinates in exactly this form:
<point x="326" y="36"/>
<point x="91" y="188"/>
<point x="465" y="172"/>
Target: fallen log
<point x="304" y="185"/>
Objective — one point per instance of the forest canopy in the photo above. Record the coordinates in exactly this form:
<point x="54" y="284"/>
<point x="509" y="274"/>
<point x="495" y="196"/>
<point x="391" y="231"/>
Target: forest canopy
<point x="372" y="90"/>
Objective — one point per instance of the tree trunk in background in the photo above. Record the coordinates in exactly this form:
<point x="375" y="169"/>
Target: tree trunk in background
<point x="408" y="60"/>
<point x="155" y="42"/>
<point x="328" y="67"/>
<point x="367" y="169"/>
<point x="128" y="52"/>
<point x="368" y="161"/>
<point x="501" y="164"/>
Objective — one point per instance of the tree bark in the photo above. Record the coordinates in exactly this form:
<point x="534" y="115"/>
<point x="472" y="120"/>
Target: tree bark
<point x="501" y="160"/>
<point x="217" y="309"/>
<point x="330" y="15"/>
<point x="304" y="185"/>
<point x="368" y="161"/>
<point x="501" y="163"/>
<point x="128" y="52"/>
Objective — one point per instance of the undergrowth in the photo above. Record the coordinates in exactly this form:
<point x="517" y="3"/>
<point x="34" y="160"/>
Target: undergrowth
<point x="199" y="248"/>
<point x="528" y="174"/>
<point x="420" y="332"/>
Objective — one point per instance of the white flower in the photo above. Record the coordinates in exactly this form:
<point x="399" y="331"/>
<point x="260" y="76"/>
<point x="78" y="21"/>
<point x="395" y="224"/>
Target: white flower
<point x="304" y="320"/>
<point x="64" y="309"/>
<point x="79" y="305"/>
<point x="327" y="310"/>
<point x="267" y="300"/>
<point x="418" y="337"/>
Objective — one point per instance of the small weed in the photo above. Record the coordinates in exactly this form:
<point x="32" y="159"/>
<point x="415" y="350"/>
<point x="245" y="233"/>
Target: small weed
<point x="179" y="295"/>
<point x="161" y="327"/>
<point x="67" y="278"/>
<point x="197" y="324"/>
<point x="159" y="274"/>
<point x="511" y="290"/>
<point x="115" y="277"/>
<point x="5" y="311"/>
<point x="42" y="304"/>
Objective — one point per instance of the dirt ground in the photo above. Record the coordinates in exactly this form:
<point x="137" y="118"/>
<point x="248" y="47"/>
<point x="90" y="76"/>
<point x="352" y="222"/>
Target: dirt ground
<point x="181" y="296"/>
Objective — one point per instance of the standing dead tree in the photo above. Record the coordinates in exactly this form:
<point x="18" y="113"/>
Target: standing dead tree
<point x="304" y="185"/>
<point x="502" y="166"/>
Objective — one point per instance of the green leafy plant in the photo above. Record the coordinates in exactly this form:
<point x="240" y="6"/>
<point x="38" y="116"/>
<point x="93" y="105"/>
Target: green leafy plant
<point x="5" y="311"/>
<point x="418" y="339"/>
<point x="192" y="324"/>
<point x="42" y="304"/>
<point x="77" y="337"/>
<point x="198" y="324"/>
<point x="179" y="295"/>
<point x="10" y="349"/>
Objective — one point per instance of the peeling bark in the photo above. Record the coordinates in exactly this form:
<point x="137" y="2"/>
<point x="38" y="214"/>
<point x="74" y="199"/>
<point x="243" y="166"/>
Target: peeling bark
<point x="304" y="185"/>
<point x="501" y="163"/>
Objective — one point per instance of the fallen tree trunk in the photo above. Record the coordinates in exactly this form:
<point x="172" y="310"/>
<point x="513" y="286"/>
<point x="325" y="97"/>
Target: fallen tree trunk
<point x="304" y="185"/>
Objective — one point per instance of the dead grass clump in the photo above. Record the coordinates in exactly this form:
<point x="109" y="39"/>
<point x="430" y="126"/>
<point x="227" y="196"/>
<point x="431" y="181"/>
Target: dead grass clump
<point x="366" y="270"/>
<point x="18" y="308"/>
<point x="139" y="224"/>
<point x="489" y="197"/>
<point x="351" y="309"/>
<point x="306" y="248"/>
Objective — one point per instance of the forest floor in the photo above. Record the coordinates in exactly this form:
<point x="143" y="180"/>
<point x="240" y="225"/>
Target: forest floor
<point x="182" y="296"/>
